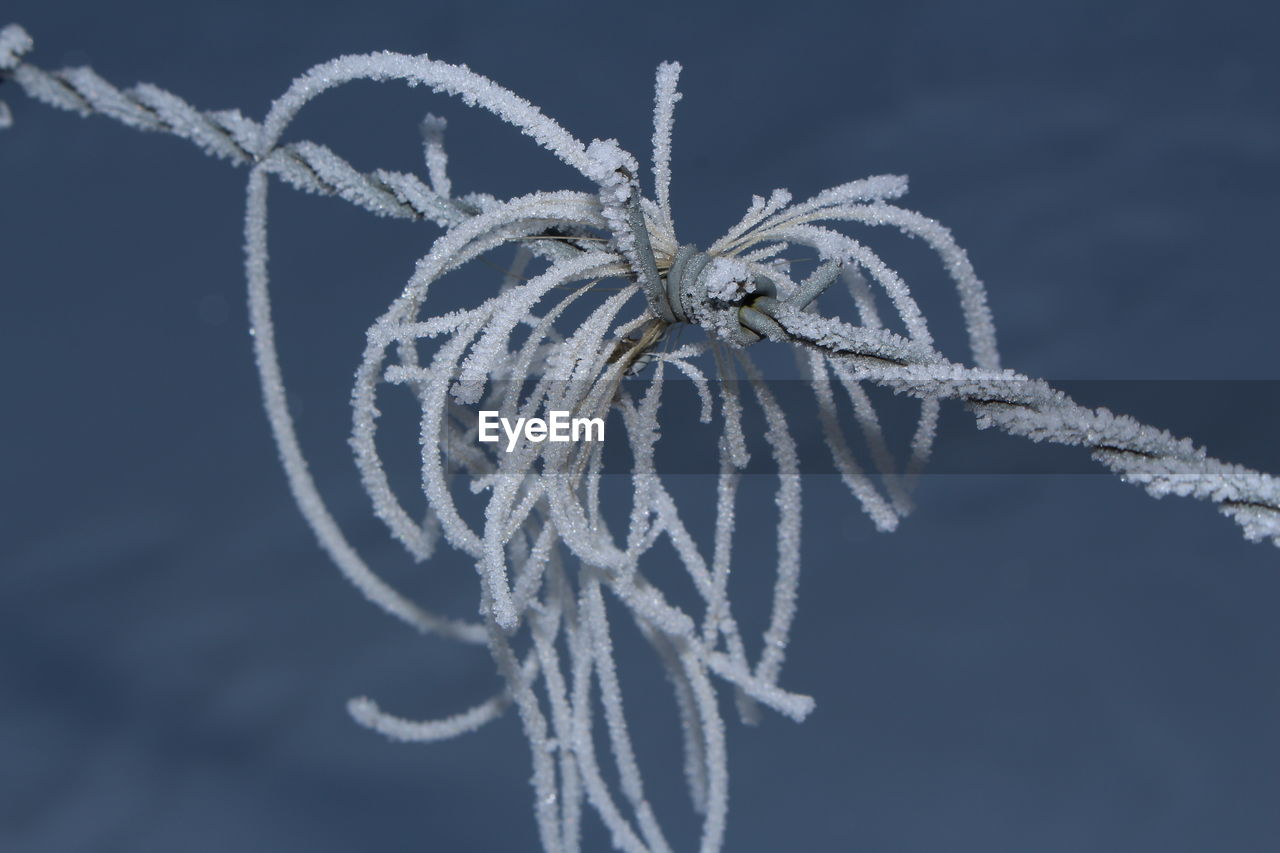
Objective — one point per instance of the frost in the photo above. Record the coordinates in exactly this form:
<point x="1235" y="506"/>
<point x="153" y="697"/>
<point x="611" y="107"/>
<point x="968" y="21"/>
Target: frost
<point x="665" y="98"/>
<point x="14" y="44"/>
<point x="549" y="565"/>
<point x="728" y="280"/>
<point x="432" y="128"/>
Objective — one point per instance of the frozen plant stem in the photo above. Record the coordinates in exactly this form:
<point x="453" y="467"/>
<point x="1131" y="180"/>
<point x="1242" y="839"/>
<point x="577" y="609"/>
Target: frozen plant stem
<point x="545" y="556"/>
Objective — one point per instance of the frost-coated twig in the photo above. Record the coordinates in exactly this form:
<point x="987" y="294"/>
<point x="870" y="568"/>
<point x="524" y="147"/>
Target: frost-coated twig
<point x="549" y="568"/>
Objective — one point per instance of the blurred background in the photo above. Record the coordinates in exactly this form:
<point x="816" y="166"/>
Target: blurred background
<point x="1031" y="663"/>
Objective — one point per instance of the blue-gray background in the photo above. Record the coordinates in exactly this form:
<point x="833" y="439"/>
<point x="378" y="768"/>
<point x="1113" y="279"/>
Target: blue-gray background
<point x="1029" y="664"/>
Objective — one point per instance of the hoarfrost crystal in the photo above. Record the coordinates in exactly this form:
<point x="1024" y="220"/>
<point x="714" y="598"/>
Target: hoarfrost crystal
<point x="546" y="558"/>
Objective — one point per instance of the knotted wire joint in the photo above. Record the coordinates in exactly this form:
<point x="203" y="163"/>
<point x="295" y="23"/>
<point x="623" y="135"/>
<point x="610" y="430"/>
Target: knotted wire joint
<point x="693" y="282"/>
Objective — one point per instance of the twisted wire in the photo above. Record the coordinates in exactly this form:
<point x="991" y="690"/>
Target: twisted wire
<point x="228" y="135"/>
<point x="1019" y="405"/>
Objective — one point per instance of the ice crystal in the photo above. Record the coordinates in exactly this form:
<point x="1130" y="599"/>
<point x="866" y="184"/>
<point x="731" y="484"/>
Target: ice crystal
<point x="548" y="549"/>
